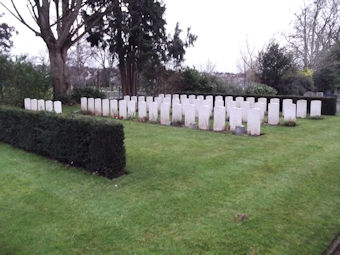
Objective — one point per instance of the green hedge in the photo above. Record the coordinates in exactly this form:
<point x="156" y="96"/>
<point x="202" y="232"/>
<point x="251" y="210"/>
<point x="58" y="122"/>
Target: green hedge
<point x="328" y="103"/>
<point x="95" y="145"/>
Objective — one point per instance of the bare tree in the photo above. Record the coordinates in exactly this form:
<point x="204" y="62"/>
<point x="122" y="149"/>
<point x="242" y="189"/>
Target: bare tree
<point x="58" y="24"/>
<point x="248" y="64"/>
<point x="316" y="29"/>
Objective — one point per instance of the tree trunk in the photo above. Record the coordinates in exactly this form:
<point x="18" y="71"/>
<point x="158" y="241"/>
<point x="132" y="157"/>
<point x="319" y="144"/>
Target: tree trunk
<point x="61" y="84"/>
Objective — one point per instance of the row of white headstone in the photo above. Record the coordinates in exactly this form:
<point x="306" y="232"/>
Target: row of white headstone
<point x="238" y="111"/>
<point x="42" y="105"/>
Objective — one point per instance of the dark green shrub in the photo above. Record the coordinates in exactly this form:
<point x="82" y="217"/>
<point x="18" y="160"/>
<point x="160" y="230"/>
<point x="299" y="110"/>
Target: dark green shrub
<point x="95" y="145"/>
<point x="78" y="93"/>
<point x="260" y="89"/>
<point x="296" y="84"/>
<point x="20" y="79"/>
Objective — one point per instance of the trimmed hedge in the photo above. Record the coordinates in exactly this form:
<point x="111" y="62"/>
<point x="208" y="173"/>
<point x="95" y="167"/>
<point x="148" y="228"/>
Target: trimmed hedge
<point x="95" y="145"/>
<point x="328" y="103"/>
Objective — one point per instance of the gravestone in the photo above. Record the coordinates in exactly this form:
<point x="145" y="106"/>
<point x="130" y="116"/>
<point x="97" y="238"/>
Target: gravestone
<point x="262" y="108"/>
<point x="219" y="118"/>
<point x="315" y="108"/>
<point x="41" y="105"/>
<point x="153" y="112"/>
<point x="290" y="112"/>
<point x="122" y="109"/>
<point x="158" y="100"/>
<point x="192" y="99"/>
<point x="57" y="107"/>
<point x="301" y="109"/>
<point x="245" y="107"/>
<point x="148" y="101"/>
<point x="142" y="113"/>
<point x="83" y="103"/>
<point x="165" y="114"/>
<point x="250" y="100"/>
<point x="219" y="103"/>
<point x="238" y="101"/>
<point x="219" y="98"/>
<point x="235" y="118"/>
<point x="177" y="113"/>
<point x="90" y="105"/>
<point x="106" y="107"/>
<point x="210" y="98"/>
<point x="114" y="108"/>
<point x="230" y="104"/>
<point x="200" y="98"/>
<point x="204" y="117"/>
<point x="49" y="106"/>
<point x="134" y="98"/>
<point x="275" y="100"/>
<point x="131" y="109"/>
<point x="254" y="122"/>
<point x="98" y="106"/>
<point x="127" y="98"/>
<point x="141" y="98"/>
<point x="189" y="115"/>
<point x="263" y="100"/>
<point x="274" y="114"/>
<point x="183" y="98"/>
<point x="285" y="102"/>
<point x="175" y="97"/>
<point x="162" y="96"/>
<point x="27" y="104"/>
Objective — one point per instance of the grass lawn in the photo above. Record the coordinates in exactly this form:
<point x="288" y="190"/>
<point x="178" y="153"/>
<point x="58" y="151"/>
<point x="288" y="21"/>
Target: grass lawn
<point x="183" y="194"/>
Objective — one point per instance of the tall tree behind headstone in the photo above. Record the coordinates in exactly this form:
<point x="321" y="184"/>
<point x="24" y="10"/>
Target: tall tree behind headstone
<point x="59" y="24"/>
<point x="316" y="29"/>
<point x="5" y="37"/>
<point x="135" y="32"/>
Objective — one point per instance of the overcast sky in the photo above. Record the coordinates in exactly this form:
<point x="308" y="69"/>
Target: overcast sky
<point x="222" y="27"/>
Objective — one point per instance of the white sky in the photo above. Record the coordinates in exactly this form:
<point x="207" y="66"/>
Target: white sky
<point x="222" y="27"/>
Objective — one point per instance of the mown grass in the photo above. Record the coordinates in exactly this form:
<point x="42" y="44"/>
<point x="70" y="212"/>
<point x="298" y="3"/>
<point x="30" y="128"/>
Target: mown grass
<point x="183" y="193"/>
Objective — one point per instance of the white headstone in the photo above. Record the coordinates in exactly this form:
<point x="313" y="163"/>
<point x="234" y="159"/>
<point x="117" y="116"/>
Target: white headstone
<point x="192" y="99"/>
<point x="134" y="98"/>
<point x="41" y="105"/>
<point x="49" y="106"/>
<point x="263" y="100"/>
<point x="219" y="118"/>
<point x="290" y="112"/>
<point x="218" y="98"/>
<point x="315" y="108"/>
<point x="159" y="100"/>
<point x="127" y="98"/>
<point x="153" y="111"/>
<point x="200" y="97"/>
<point x="301" y="108"/>
<point x="132" y="109"/>
<point x="204" y="117"/>
<point x="285" y="102"/>
<point x="168" y="96"/>
<point x="238" y="101"/>
<point x="244" y="107"/>
<point x="123" y="109"/>
<point x="230" y="104"/>
<point x="235" y="119"/>
<point x="175" y="97"/>
<point x="274" y="114"/>
<point x="141" y="98"/>
<point x="165" y="113"/>
<point x="262" y="108"/>
<point x="114" y="108"/>
<point x="219" y="103"/>
<point x="183" y="98"/>
<point x="228" y="99"/>
<point x="275" y="100"/>
<point x="254" y="122"/>
<point x="57" y="107"/>
<point x="209" y="98"/>
<point x="189" y="115"/>
<point x="98" y="106"/>
<point x="177" y="113"/>
<point x="90" y="106"/>
<point x="83" y="103"/>
<point x="250" y="100"/>
<point x="142" y="113"/>
<point x="161" y="96"/>
<point x="148" y="101"/>
<point x="27" y="104"/>
<point x="106" y="107"/>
